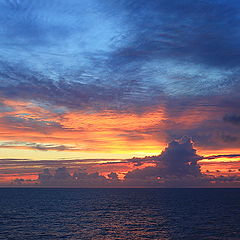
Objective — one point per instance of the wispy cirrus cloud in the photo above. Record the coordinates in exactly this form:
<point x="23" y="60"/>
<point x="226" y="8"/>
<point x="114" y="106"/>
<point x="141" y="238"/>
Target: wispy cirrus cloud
<point x="37" y="146"/>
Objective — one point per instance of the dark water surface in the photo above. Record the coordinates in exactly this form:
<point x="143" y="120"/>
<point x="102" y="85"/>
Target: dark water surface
<point x="119" y="214"/>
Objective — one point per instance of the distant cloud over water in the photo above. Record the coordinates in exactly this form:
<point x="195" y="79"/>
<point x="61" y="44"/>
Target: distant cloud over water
<point x="176" y="166"/>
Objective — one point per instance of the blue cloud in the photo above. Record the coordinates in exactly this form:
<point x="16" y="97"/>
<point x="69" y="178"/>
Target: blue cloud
<point x="118" y="54"/>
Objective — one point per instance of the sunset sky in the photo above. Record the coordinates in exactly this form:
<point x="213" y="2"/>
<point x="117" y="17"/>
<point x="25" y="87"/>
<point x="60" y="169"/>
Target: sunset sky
<point x="89" y="88"/>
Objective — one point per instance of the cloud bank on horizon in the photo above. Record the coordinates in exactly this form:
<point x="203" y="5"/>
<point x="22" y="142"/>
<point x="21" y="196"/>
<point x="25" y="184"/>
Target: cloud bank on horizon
<point x="90" y="78"/>
<point x="176" y="166"/>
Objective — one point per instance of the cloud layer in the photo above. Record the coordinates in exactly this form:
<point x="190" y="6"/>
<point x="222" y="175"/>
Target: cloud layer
<point x="79" y="79"/>
<point x="152" y="50"/>
<point x="178" y="56"/>
<point x="176" y="166"/>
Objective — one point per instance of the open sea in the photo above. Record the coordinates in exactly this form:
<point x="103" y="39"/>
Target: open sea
<point x="119" y="214"/>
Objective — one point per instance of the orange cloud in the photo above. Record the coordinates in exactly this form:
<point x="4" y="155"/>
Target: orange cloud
<point x="108" y="131"/>
<point x="34" y="131"/>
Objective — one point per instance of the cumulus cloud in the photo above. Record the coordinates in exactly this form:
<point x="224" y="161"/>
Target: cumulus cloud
<point x="62" y="177"/>
<point x="176" y="166"/>
<point x="180" y="158"/>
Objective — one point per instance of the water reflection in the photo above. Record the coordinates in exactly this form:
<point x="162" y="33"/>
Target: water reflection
<point x="119" y="214"/>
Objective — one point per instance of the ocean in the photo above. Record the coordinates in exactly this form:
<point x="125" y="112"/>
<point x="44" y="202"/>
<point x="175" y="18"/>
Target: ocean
<point x="119" y="214"/>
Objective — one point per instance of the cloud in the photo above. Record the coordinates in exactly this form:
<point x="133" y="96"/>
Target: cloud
<point x="120" y="56"/>
<point x="180" y="158"/>
<point x="113" y="177"/>
<point x="30" y="124"/>
<point x="21" y="181"/>
<point x="65" y="60"/>
<point x="229" y="138"/>
<point x="194" y="118"/>
<point x="233" y="119"/>
<point x="222" y="156"/>
<point x="182" y="29"/>
<point x="176" y="165"/>
<point x="226" y="181"/>
<point x="176" y="61"/>
<point x="4" y="108"/>
<point x="37" y="146"/>
<point x="62" y="177"/>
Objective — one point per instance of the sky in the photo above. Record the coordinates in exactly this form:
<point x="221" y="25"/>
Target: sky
<point x="120" y="93"/>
